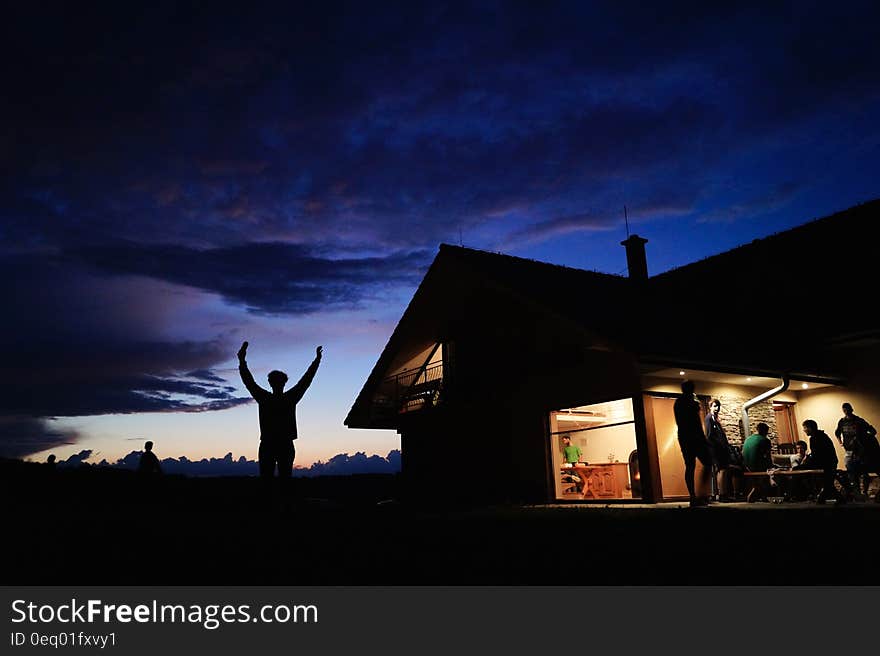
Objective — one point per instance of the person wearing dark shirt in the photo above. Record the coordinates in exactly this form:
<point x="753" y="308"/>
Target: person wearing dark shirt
<point x="277" y="411"/>
<point x="852" y="433"/>
<point x="871" y="462"/>
<point x="727" y="474"/>
<point x="149" y="463"/>
<point x="692" y="441"/>
<point x="822" y="456"/>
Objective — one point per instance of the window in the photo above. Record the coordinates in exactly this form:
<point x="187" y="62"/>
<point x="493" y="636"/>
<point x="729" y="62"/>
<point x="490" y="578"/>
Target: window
<point x="594" y="451"/>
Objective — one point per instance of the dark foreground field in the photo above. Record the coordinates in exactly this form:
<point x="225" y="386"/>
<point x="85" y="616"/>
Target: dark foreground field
<point x="90" y="527"/>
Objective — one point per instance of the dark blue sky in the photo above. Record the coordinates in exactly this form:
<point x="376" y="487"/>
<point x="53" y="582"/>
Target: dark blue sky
<point x="179" y="177"/>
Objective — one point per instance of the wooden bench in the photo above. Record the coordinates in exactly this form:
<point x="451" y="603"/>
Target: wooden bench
<point x="787" y="479"/>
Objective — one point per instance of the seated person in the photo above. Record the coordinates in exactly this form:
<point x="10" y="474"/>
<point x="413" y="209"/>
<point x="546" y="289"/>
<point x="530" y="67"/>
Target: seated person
<point x="800" y="456"/>
<point x="756" y="450"/>
<point x="757" y="458"/>
<point x="799" y="489"/>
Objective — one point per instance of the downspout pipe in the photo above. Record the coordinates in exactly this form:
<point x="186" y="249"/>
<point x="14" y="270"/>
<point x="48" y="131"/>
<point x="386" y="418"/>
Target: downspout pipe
<point x="769" y="394"/>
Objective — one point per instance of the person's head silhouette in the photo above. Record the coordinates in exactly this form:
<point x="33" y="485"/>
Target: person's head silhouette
<point x="687" y="387"/>
<point x="277" y="381"/>
<point x="51" y="459"/>
<point x="847" y="409"/>
<point x="148" y="446"/>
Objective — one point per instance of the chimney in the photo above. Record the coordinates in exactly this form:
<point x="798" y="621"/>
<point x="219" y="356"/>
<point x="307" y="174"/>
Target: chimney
<point x="636" y="261"/>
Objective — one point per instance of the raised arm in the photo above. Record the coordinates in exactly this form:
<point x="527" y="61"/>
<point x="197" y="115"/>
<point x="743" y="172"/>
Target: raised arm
<point x="246" y="377"/>
<point x="297" y="391"/>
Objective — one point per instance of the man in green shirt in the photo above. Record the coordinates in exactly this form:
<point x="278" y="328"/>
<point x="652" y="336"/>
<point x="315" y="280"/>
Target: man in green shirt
<point x="571" y="453"/>
<point x="757" y="458"/>
<point x="756" y="450"/>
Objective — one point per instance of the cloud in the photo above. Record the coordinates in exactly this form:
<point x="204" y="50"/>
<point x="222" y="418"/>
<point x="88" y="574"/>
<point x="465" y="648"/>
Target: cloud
<point x="79" y="344"/>
<point x="265" y="278"/>
<point x="317" y="166"/>
<point x="436" y="115"/>
<point x="77" y="459"/>
<point x="339" y="465"/>
<point x="559" y="226"/>
<point x="359" y="463"/>
<point x="764" y="202"/>
<point x="23" y="435"/>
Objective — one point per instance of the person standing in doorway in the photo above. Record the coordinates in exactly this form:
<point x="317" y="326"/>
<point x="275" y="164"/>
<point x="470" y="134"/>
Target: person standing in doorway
<point x="692" y="442"/>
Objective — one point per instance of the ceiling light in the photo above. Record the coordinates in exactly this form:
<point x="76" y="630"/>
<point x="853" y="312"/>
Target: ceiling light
<point x="804" y="385"/>
<point x="681" y="373"/>
<point x="749" y="380"/>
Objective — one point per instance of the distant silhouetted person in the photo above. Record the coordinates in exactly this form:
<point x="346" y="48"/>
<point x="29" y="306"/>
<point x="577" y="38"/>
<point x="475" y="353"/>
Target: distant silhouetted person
<point x="853" y="433"/>
<point x="692" y="441"/>
<point x="50" y="462"/>
<point x="277" y="414"/>
<point x="149" y="463"/>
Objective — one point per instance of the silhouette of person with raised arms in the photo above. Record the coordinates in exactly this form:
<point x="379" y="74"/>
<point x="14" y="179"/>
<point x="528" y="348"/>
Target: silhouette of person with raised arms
<point x="149" y="463"/>
<point x="277" y="414"/>
<point x="692" y="441"/>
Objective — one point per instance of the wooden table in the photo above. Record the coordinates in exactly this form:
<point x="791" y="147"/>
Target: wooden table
<point x="602" y="480"/>
<point x="787" y="478"/>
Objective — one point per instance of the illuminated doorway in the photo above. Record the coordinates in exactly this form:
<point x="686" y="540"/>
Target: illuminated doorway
<point x="664" y="431"/>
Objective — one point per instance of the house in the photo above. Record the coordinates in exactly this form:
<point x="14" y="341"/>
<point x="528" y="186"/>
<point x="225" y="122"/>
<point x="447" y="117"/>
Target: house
<point x="496" y="358"/>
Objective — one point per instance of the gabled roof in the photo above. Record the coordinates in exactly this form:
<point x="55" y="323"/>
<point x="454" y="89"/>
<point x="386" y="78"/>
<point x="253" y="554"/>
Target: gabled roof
<point x="579" y="295"/>
<point x="529" y="281"/>
<point x="770" y="305"/>
<point x="801" y="289"/>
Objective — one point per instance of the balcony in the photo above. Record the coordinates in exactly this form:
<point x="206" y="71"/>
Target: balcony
<point x="409" y="391"/>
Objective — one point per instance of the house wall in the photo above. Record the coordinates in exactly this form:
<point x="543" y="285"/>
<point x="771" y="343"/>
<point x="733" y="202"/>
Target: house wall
<point x="492" y="442"/>
<point x="823" y="406"/>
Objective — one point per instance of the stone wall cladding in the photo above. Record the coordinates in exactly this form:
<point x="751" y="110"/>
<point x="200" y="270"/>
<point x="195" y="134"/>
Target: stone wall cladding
<point x="731" y="411"/>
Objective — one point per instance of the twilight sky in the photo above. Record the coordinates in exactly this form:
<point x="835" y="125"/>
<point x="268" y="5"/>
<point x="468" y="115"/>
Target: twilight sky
<point x="180" y="177"/>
